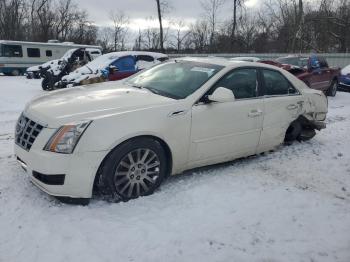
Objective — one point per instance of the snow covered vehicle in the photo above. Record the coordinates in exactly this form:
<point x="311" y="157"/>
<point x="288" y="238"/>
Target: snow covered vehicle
<point x="54" y="73"/>
<point x="111" y="67"/>
<point x="37" y="71"/>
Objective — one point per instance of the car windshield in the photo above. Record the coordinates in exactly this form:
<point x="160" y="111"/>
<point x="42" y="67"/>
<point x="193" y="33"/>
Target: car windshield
<point x="296" y="61"/>
<point x="176" y="79"/>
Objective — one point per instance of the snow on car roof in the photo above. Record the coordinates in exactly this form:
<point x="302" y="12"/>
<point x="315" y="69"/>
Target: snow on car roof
<point x="225" y="62"/>
<point x="105" y="60"/>
<point x="245" y="58"/>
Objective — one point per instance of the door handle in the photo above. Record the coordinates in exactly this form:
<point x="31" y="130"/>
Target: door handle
<point x="177" y="113"/>
<point x="255" y="113"/>
<point x="292" y="107"/>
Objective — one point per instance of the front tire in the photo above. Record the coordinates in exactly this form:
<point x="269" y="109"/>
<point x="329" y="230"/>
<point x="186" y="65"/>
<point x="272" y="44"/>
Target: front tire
<point x="293" y="131"/>
<point x="133" y="169"/>
<point x="45" y="84"/>
<point x="332" y="90"/>
<point x="15" y="72"/>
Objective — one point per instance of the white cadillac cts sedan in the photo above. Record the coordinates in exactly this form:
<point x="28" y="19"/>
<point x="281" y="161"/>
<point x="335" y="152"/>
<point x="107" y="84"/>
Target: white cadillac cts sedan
<point x="126" y="137"/>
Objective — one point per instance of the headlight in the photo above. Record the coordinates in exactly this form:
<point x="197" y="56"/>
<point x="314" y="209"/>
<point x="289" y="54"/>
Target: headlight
<point x="66" y="138"/>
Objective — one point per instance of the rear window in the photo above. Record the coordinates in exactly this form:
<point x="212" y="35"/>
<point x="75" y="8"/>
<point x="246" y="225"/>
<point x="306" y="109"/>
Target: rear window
<point x="33" y="52"/>
<point x="162" y="59"/>
<point x="11" y="51"/>
<point x="296" y="61"/>
<point x="146" y="58"/>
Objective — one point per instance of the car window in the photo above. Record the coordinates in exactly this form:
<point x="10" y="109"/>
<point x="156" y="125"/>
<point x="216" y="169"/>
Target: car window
<point x="33" y="52"/>
<point x="242" y="82"/>
<point x="126" y="63"/>
<point x="12" y="51"/>
<point x="146" y="58"/>
<point x="162" y="59"/>
<point x="323" y="62"/>
<point x="276" y="83"/>
<point x="48" y="53"/>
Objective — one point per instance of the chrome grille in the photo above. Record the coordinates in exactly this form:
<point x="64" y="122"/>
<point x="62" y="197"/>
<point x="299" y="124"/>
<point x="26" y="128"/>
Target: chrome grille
<point x="26" y="132"/>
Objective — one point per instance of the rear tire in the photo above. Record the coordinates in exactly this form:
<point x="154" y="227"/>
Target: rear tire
<point x="15" y="72"/>
<point x="332" y="90"/>
<point x="133" y="169"/>
<point x="45" y="84"/>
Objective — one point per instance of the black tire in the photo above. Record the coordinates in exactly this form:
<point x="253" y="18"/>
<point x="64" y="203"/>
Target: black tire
<point x="15" y="72"/>
<point x="120" y="179"/>
<point x="332" y="90"/>
<point x="45" y="84"/>
<point x="293" y="131"/>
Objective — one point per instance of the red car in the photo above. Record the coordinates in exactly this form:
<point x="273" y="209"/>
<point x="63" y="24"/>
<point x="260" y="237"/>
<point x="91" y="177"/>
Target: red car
<point x="313" y="71"/>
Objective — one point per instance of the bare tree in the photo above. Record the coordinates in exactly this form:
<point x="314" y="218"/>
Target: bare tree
<point x="159" y="10"/>
<point x="181" y="32"/>
<point x="120" y="22"/>
<point x="237" y="4"/>
<point x="211" y="10"/>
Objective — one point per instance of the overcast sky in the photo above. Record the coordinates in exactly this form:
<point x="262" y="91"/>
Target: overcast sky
<point x="138" y="10"/>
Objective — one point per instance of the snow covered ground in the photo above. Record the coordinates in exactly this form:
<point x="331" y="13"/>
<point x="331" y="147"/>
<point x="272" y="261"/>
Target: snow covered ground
<point x="289" y="205"/>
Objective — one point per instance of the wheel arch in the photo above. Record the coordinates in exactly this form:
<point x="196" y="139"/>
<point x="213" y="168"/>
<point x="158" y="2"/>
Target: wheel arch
<point x="165" y="146"/>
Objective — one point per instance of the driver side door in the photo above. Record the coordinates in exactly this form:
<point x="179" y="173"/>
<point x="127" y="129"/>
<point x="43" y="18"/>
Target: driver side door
<point x="223" y="131"/>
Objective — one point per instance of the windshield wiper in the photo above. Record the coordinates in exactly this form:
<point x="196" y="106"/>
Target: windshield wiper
<point x="137" y="86"/>
<point x="153" y="90"/>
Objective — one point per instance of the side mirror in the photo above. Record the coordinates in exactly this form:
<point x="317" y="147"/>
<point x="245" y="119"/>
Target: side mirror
<point x="112" y="69"/>
<point x="221" y="95"/>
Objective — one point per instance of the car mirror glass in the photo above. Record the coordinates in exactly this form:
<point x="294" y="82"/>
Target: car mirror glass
<point x="112" y="69"/>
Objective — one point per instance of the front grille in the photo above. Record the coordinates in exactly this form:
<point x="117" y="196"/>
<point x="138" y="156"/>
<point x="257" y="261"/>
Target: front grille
<point x="26" y="132"/>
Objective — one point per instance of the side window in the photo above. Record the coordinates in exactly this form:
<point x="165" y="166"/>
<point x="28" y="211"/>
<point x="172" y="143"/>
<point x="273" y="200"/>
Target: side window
<point x="162" y="59"/>
<point x="277" y="84"/>
<point x="12" y="51"/>
<point x="48" y="53"/>
<point x="323" y="62"/>
<point x="242" y="82"/>
<point x="126" y="63"/>
<point x="146" y="58"/>
<point x="33" y="52"/>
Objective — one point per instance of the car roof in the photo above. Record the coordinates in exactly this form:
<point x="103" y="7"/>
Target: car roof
<point x="227" y="63"/>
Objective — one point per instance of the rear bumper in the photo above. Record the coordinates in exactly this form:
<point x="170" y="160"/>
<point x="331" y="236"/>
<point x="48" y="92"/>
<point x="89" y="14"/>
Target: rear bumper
<point x="59" y="174"/>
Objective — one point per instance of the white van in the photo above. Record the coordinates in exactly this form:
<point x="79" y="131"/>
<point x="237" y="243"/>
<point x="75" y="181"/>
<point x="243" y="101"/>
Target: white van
<point x="17" y="56"/>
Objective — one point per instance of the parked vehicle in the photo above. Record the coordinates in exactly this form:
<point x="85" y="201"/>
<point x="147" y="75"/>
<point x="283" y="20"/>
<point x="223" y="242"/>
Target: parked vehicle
<point x="39" y="71"/>
<point x="344" y="79"/>
<point x="112" y="67"/>
<point x="17" y="56"/>
<point x="126" y="137"/>
<point x="313" y="71"/>
<point x="74" y="58"/>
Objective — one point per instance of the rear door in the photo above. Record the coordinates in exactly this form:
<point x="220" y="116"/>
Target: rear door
<point x="282" y="105"/>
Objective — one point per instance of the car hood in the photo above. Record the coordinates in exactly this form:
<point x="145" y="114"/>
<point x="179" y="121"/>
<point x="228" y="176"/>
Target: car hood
<point x="91" y="102"/>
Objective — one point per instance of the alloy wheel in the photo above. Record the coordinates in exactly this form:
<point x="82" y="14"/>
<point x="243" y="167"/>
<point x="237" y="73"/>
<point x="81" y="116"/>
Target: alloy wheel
<point x="137" y="173"/>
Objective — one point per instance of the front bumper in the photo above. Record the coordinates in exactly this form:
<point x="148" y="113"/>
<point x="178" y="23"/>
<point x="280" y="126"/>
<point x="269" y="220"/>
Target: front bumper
<point x="79" y="169"/>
